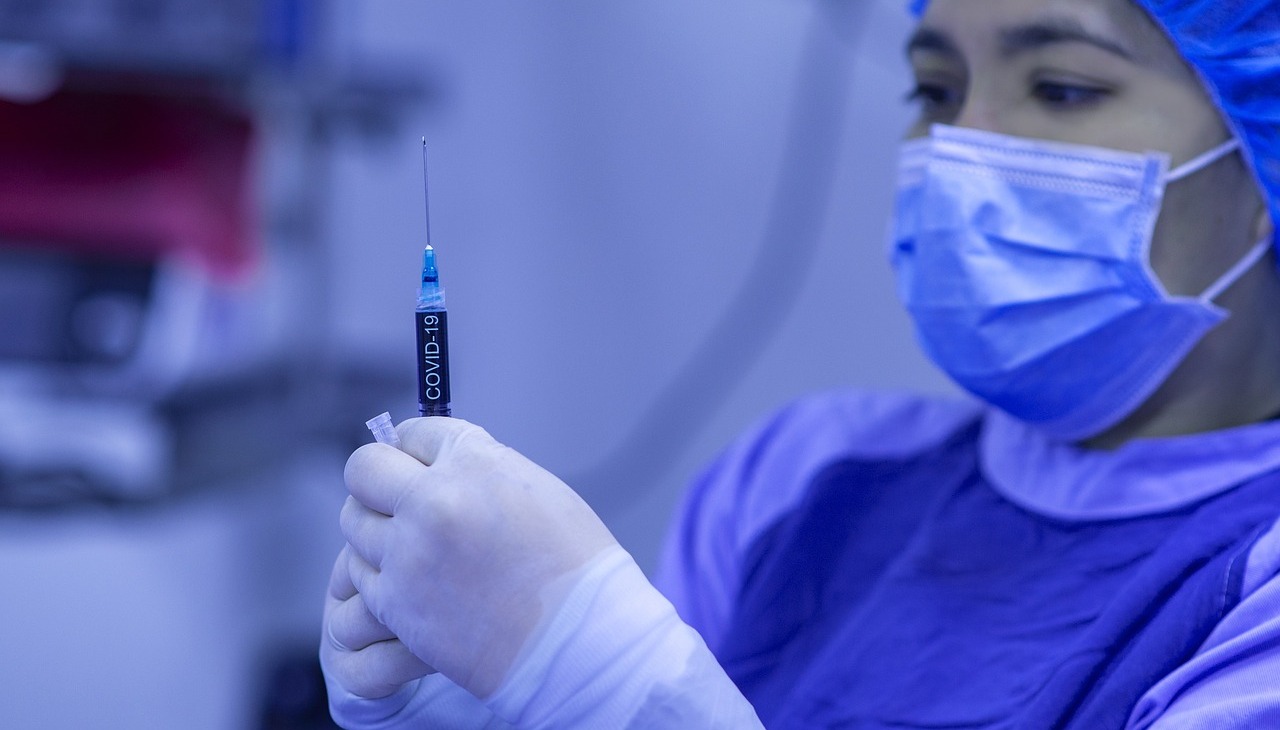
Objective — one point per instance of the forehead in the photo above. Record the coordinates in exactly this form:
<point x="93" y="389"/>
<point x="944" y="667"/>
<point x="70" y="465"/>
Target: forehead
<point x="976" y="26"/>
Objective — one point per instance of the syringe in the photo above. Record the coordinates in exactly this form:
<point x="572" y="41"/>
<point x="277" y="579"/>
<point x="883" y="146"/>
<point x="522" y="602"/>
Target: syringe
<point x="432" y="322"/>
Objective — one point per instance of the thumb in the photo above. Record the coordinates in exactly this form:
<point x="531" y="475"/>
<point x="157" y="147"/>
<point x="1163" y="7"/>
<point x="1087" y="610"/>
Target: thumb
<point x="429" y="439"/>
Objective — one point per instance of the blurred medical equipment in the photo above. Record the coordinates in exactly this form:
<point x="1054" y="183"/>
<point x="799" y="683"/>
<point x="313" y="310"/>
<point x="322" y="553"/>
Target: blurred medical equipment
<point x="129" y="245"/>
<point x="431" y="321"/>
<point x="148" y="324"/>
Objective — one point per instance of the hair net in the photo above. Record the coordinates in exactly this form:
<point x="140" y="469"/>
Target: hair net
<point x="1235" y="47"/>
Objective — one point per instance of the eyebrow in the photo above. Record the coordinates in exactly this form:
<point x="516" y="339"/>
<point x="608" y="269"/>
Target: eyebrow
<point x="1035" y="36"/>
<point x="928" y="39"/>
<point x="1021" y="39"/>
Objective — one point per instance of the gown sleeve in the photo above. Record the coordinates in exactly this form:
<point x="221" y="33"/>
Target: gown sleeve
<point x="1230" y="682"/>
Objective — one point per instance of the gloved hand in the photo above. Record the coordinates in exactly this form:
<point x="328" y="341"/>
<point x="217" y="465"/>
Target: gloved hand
<point x="375" y="682"/>
<point x="359" y="654"/>
<point x="456" y="544"/>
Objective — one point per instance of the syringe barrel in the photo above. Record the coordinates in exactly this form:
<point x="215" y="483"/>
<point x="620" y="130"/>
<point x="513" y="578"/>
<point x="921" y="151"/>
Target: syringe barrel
<point x="432" y="326"/>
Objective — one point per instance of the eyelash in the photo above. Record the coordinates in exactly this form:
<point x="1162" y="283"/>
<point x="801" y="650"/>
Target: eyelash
<point x="1059" y="94"/>
<point x="930" y="95"/>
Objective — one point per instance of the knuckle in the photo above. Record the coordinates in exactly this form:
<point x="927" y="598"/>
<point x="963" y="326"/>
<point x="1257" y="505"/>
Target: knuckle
<point x="472" y="436"/>
<point x="376" y="609"/>
<point x="359" y="576"/>
<point x="446" y="510"/>
<point x="435" y="523"/>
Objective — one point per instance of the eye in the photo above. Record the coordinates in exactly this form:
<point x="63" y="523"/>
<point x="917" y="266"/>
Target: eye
<point x="934" y="98"/>
<point x="1061" y="94"/>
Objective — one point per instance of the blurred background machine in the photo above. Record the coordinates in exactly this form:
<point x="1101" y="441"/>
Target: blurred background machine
<point x="162" y="177"/>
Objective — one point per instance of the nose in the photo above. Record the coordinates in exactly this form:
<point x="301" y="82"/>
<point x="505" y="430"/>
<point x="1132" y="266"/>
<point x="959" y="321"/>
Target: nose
<point x="978" y="113"/>
<point x="986" y="104"/>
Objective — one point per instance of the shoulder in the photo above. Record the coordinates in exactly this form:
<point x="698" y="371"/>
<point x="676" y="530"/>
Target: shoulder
<point x="786" y="449"/>
<point x="764" y="474"/>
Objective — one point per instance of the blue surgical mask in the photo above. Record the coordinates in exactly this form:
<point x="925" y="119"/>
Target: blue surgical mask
<point x="1025" y="266"/>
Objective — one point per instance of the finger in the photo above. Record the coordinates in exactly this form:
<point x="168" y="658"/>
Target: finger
<point x="428" y="439"/>
<point x="364" y="577"/>
<point x="351" y="627"/>
<point x="377" y="670"/>
<point x="379" y="476"/>
<point x="340" y="586"/>
<point x="365" y="530"/>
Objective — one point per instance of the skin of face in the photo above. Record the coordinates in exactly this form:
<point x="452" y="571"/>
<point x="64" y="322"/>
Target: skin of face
<point x="1102" y="73"/>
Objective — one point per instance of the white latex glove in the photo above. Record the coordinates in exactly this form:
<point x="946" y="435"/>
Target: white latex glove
<point x="613" y="655"/>
<point x="374" y="682"/>
<point x="358" y="654"/>
<point x="455" y="542"/>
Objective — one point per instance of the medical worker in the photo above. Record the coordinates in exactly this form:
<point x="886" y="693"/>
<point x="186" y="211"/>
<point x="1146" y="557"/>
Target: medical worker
<point x="1083" y="237"/>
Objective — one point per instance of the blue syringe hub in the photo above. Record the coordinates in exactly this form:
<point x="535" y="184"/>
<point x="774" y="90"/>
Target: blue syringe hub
<point x="430" y="295"/>
<point x="429" y="272"/>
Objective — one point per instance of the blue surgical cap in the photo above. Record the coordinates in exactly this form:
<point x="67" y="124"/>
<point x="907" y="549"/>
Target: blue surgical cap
<point x="1235" y="47"/>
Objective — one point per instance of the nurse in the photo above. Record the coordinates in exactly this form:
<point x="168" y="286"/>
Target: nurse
<point x="1083" y="238"/>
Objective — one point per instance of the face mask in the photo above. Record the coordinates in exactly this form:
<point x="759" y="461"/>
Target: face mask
<point x="1025" y="266"/>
